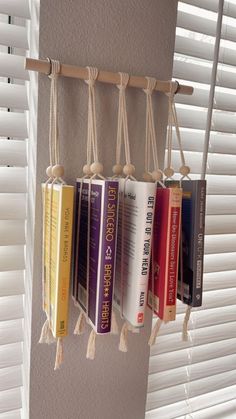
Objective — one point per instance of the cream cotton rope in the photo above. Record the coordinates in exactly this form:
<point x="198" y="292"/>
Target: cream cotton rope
<point x="184" y="171"/>
<point x="55" y="173"/>
<point x="128" y="171"/>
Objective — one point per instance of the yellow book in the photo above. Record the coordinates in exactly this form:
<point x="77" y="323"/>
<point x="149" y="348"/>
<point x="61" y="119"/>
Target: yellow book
<point x="58" y="210"/>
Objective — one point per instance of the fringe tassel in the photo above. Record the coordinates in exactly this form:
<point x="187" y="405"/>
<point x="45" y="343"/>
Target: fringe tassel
<point x="46" y="334"/>
<point x="123" y="338"/>
<point x="91" y="345"/>
<point x="155" y="331"/>
<point x="185" y="324"/>
<point x="114" y="324"/>
<point x="80" y="324"/>
<point x="133" y="329"/>
<point x="59" y="354"/>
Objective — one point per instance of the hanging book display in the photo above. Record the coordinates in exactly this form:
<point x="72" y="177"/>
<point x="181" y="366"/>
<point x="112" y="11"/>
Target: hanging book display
<point x="57" y="236"/>
<point x="190" y="277"/>
<point x="95" y="238"/>
<point x="136" y="211"/>
<point x="165" y="250"/>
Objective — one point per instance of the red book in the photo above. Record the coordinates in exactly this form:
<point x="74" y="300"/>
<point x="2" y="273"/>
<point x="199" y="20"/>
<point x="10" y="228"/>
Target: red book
<point x="163" y="280"/>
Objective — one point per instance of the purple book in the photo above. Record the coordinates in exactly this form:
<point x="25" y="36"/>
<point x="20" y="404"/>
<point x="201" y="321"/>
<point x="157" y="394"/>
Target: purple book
<point x="102" y="250"/>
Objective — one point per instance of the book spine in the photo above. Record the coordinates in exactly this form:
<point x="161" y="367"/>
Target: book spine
<point x="76" y="239"/>
<point x="64" y="268"/>
<point x="146" y="256"/>
<point x="199" y="243"/>
<point x="173" y="254"/>
<point x="108" y="256"/>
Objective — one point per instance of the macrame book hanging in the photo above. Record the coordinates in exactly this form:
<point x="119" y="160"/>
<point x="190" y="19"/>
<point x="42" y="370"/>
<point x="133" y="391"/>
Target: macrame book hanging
<point x="57" y="236"/>
<point x="162" y="293"/>
<point x="136" y="210"/>
<point x="95" y="237"/>
<point x="190" y="279"/>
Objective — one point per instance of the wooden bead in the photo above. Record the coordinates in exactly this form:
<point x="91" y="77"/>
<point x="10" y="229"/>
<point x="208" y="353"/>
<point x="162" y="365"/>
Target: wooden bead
<point x="117" y="169"/>
<point x="129" y="169"/>
<point x="168" y="172"/>
<point x="147" y="177"/>
<point x="49" y="171"/>
<point x="96" y="168"/>
<point x="157" y="175"/>
<point x="58" y="171"/>
<point x="184" y="170"/>
<point x="87" y="170"/>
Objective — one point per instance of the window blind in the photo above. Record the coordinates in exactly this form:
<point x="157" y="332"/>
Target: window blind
<point x="14" y="17"/>
<point x="197" y="379"/>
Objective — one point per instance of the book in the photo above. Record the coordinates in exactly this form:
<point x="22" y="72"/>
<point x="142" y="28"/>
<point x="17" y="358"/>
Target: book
<point x="137" y="204"/>
<point x="96" y="301"/>
<point x="192" y="251"/>
<point x="162" y="292"/>
<point x="58" y="207"/>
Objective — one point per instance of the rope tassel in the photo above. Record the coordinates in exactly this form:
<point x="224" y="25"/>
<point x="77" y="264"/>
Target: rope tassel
<point x="80" y="324"/>
<point x="155" y="332"/>
<point x="59" y="354"/>
<point x="185" y="324"/>
<point x="46" y="334"/>
<point x="123" y="347"/>
<point x="91" y="345"/>
<point x="114" y="324"/>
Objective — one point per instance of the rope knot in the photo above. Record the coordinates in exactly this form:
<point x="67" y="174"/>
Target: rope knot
<point x="151" y="84"/>
<point x="55" y="68"/>
<point x="124" y="80"/>
<point x="92" y="76"/>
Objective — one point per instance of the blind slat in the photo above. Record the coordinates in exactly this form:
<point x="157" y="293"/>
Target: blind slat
<point x="12" y="258"/>
<point x="12" y="153"/>
<point x="13" y="124"/>
<point x="212" y="5"/>
<point x="10" y="378"/>
<point x="10" y="400"/>
<point x="219" y="280"/>
<point x="202" y="336"/>
<point x="11" y="332"/>
<point x="220" y="224"/>
<point x="13" y="180"/>
<point x="159" y="381"/>
<point x="197" y="70"/>
<point x="193" y="140"/>
<point x="19" y="8"/>
<point x="221" y="121"/>
<point x="216" y="164"/>
<point x="13" y="36"/>
<point x="221" y="243"/>
<point x="220" y="204"/>
<point x="13" y="96"/>
<point x="11" y="283"/>
<point x="13" y="414"/>
<point x="194" y="404"/>
<point x="13" y="66"/>
<point x="12" y="232"/>
<point x="169" y="361"/>
<point x="10" y="355"/>
<point x="13" y="206"/>
<point x="196" y="388"/>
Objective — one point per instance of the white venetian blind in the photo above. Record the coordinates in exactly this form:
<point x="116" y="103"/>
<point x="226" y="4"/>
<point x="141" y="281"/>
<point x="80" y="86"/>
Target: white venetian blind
<point x="13" y="192"/>
<point x="197" y="379"/>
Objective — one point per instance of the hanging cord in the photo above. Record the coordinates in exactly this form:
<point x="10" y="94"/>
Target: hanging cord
<point x="150" y="139"/>
<point x="96" y="169"/>
<point x="46" y="333"/>
<point x="184" y="171"/>
<point x="128" y="171"/>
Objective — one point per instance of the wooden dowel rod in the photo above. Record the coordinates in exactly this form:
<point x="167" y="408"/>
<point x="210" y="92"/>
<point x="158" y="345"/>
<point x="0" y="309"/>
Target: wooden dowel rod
<point x="43" y="66"/>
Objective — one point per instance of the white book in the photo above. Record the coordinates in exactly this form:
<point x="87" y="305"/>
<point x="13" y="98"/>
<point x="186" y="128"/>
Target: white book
<point x="130" y="294"/>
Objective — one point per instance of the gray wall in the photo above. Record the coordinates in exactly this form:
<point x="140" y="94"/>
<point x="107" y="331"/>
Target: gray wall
<point x="135" y="36"/>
